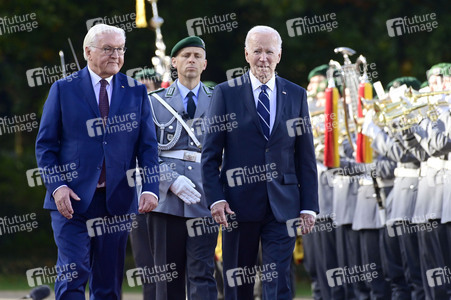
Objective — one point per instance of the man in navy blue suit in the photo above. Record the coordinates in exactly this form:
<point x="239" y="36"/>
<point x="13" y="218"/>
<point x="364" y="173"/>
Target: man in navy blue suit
<point x="263" y="170"/>
<point x="95" y="125"/>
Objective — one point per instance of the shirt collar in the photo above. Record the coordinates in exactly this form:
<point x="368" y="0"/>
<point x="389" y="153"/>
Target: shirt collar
<point x="255" y="83"/>
<point x="95" y="79"/>
<point x="184" y="90"/>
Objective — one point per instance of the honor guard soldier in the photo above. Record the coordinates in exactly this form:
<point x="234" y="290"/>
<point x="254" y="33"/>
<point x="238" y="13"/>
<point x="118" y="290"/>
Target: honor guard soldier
<point x="319" y="245"/>
<point x="139" y="239"/>
<point x="182" y="233"/>
<point x="399" y="241"/>
<point x="432" y="135"/>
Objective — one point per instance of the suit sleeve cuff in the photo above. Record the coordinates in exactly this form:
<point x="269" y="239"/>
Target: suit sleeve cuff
<point x="214" y="203"/>
<point x="53" y="194"/>
<point x="150" y="194"/>
<point x="310" y="212"/>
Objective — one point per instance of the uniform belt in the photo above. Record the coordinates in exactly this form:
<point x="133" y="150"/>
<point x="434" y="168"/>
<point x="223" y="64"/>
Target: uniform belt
<point x="406" y="172"/>
<point x="385" y="182"/>
<point x="380" y="182"/>
<point x="436" y="163"/>
<point x="182" y="154"/>
<point x="366" y="181"/>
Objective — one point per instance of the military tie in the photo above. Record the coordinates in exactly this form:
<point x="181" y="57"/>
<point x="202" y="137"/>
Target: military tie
<point x="263" y="110"/>
<point x="104" y="108"/>
<point x="191" y="107"/>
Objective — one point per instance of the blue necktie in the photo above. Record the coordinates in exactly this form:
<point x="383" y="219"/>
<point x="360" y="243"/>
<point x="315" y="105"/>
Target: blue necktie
<point x="191" y="106"/>
<point x="263" y="110"/>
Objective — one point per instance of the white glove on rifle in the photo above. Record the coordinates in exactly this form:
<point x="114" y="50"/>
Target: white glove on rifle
<point x="369" y="128"/>
<point x="184" y="188"/>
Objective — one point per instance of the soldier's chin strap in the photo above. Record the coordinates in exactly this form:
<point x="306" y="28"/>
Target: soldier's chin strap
<point x="179" y="118"/>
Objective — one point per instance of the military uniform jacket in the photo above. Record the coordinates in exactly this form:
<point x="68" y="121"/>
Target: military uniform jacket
<point x="346" y="185"/>
<point x="172" y="136"/>
<point x="325" y="191"/>
<point x="367" y="211"/>
<point x="404" y="193"/>
<point x="434" y="202"/>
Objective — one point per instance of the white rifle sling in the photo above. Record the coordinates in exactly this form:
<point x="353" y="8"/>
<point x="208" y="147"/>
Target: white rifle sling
<point x="179" y="118"/>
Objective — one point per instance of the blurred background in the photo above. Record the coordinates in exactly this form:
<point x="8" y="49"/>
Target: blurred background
<point x="34" y="31"/>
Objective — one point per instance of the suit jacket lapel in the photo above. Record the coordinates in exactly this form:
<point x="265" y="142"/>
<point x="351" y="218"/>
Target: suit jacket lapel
<point x="88" y="92"/>
<point x="117" y="95"/>
<point x="281" y="99"/>
<point x="249" y="100"/>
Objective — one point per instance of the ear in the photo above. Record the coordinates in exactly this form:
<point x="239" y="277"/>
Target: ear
<point x="88" y="52"/>
<point x="246" y="54"/>
<point x="205" y="65"/>
<point x="174" y="62"/>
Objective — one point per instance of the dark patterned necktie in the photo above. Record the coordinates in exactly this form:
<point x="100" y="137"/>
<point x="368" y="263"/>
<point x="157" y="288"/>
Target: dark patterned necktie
<point x="191" y="107"/>
<point x="104" y="108"/>
<point x="263" y="110"/>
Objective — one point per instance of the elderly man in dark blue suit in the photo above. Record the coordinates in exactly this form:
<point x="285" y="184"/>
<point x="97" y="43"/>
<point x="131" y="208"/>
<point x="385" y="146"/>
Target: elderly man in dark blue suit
<point x="264" y="170"/>
<point x="95" y="125"/>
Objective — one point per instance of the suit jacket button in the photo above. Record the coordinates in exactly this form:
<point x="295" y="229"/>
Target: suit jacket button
<point x="190" y="168"/>
<point x="105" y="143"/>
<point x="266" y="150"/>
<point x="191" y="143"/>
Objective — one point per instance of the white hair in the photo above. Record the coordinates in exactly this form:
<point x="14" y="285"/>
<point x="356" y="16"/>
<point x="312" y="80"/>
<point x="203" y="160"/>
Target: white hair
<point x="263" y="29"/>
<point x="95" y="31"/>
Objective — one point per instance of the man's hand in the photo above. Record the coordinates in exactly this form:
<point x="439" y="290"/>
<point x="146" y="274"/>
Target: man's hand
<point x="218" y="212"/>
<point x="307" y="223"/>
<point x="184" y="188"/>
<point x="62" y="200"/>
<point x="147" y="202"/>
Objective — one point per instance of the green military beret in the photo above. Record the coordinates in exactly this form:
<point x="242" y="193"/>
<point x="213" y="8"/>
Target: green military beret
<point x="424" y="84"/>
<point x="439" y="69"/>
<point x="408" y="80"/>
<point x="191" y="41"/>
<point x="145" y="73"/>
<point x="319" y="70"/>
<point x="446" y="69"/>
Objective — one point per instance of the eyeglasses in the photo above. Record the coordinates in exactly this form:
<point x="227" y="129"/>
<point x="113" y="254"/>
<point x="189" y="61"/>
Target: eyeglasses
<point x="110" y="50"/>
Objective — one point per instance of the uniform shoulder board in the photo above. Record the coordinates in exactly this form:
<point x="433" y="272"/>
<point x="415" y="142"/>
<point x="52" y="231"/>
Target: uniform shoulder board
<point x="208" y="90"/>
<point x="156" y="91"/>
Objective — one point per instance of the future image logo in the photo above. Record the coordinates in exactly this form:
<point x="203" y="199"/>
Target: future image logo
<point x="438" y="276"/>
<point x="234" y="75"/>
<point x="250" y="175"/>
<point x="314" y="24"/>
<point x="126" y="21"/>
<point x="408" y="25"/>
<point x="207" y="25"/>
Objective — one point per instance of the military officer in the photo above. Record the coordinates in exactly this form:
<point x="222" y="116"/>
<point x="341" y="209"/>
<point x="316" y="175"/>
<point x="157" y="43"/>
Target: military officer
<point x="182" y="234"/>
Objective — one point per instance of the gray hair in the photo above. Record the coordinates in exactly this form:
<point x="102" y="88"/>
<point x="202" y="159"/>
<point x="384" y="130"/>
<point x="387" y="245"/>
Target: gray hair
<point x="263" y="29"/>
<point x="95" y="31"/>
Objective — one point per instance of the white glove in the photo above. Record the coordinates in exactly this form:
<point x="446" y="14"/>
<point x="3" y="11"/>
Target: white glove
<point x="441" y="109"/>
<point x="184" y="188"/>
<point x="369" y="128"/>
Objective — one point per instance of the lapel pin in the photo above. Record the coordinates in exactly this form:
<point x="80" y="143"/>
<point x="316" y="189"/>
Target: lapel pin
<point x="283" y="92"/>
<point x="122" y="86"/>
